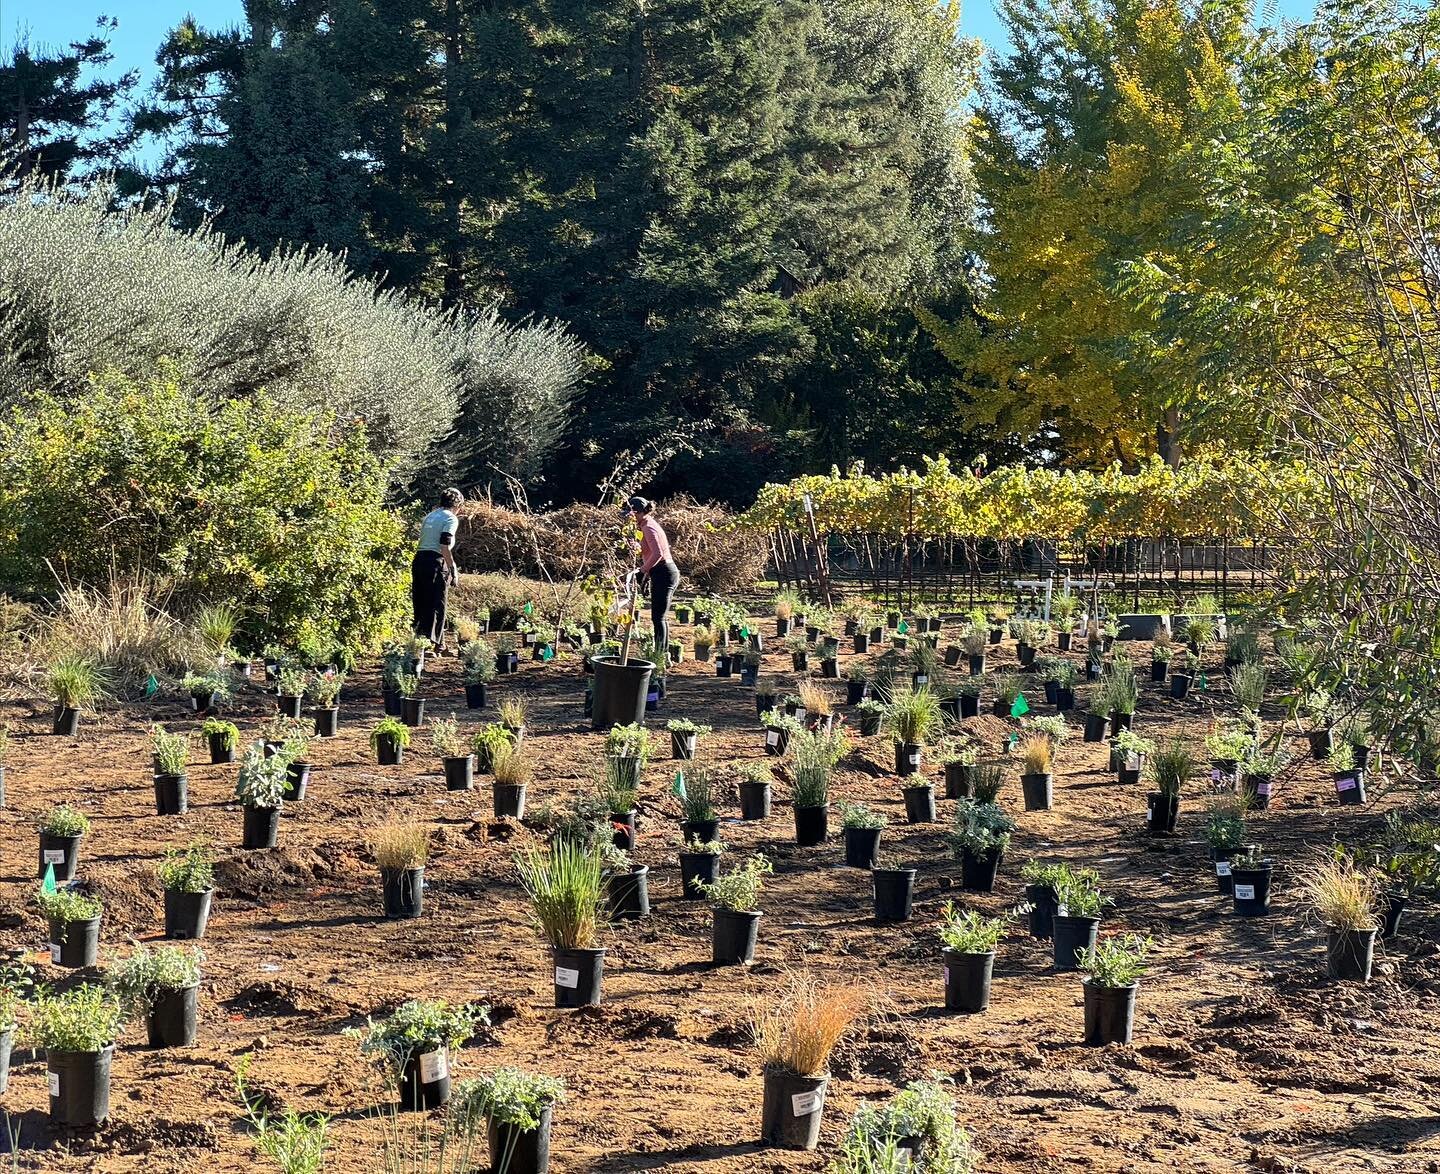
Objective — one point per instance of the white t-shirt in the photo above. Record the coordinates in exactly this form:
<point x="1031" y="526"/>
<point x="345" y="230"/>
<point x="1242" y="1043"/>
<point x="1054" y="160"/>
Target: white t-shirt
<point x="438" y="522"/>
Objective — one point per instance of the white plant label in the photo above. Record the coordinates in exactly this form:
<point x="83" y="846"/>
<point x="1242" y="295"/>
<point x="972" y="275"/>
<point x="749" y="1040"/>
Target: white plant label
<point x="802" y="1104"/>
<point x="915" y="758"/>
<point x="946" y="969"/>
<point x="54" y="855"/>
<point x="434" y="1066"/>
<point x="922" y="679"/>
<point x="55" y="948"/>
<point x="772" y="738"/>
<point x="1245" y="892"/>
<point x="1222" y="868"/>
<point x="567" y="978"/>
<point x="799" y="713"/>
<point x="1132" y="762"/>
<point x="54" y="1084"/>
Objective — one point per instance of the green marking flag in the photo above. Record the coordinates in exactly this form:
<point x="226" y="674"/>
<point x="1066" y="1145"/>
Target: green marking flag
<point x="529" y="607"/>
<point x="547" y="652"/>
<point x="677" y="788"/>
<point x="903" y="627"/>
<point x="152" y="685"/>
<point x="1011" y="742"/>
<point x="1021" y="706"/>
<point x="744" y="633"/>
<point x="48" y="884"/>
<point x="1202" y="681"/>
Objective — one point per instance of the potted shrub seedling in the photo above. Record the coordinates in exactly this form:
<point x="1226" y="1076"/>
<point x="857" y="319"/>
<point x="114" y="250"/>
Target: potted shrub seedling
<point x="188" y="878"/>
<point x="162" y="984"/>
<point x="755" y="786"/>
<point x="400" y="849"/>
<point x="911" y="720"/>
<point x="799" y="652"/>
<point x="324" y="693"/>
<point x="1169" y="769"/>
<point x="566" y="888"/>
<point x="627" y="751"/>
<point x="1345" y="898"/>
<point x="61" y="830"/>
<point x="703" y="640"/>
<point x="412" y="705"/>
<point x="1160" y="656"/>
<point x="1129" y="754"/>
<point x="959" y="762"/>
<point x="221" y="738"/>
<point x="1349" y="778"/>
<point x="699" y="865"/>
<point x="969" y="939"/>
<point x="477" y="660"/>
<point x="1009" y="688"/>
<point x="1112" y="970"/>
<point x="1228" y="744"/>
<point x="454" y="754"/>
<point x="75" y="684"/>
<point x="1043" y="884"/>
<point x="919" y="800"/>
<point x="893" y="889"/>
<point x="290" y="685"/>
<point x="861" y="828"/>
<point x="857" y="683"/>
<point x="1250" y="874"/>
<point x="684" y="735"/>
<point x="294" y="750"/>
<point x="489" y="740"/>
<point x="1065" y="608"/>
<point x="1258" y="771"/>
<point x="172" y="753"/>
<point x="207" y="690"/>
<point x="794" y="1035"/>
<point x="869" y="715"/>
<point x="1037" y="778"/>
<point x="388" y="740"/>
<point x="967" y="697"/>
<point x="74" y="921"/>
<point x="627" y="885"/>
<point x="261" y="788"/>
<point x="1225" y="833"/>
<point x="979" y="837"/>
<point x="1319" y="710"/>
<point x="511" y="771"/>
<point x="392" y="668"/>
<point x="1078" y="905"/>
<point x="1242" y="647"/>
<point x="813" y="756"/>
<point x="413" y="1045"/>
<point x="780" y="727"/>
<point x="415" y="648"/>
<point x="517" y="1108"/>
<point x="734" y="897"/>
<point x="77" y="1028"/>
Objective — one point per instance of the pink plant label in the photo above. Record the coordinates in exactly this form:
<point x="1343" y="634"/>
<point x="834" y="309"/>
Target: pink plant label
<point x="1347" y="784"/>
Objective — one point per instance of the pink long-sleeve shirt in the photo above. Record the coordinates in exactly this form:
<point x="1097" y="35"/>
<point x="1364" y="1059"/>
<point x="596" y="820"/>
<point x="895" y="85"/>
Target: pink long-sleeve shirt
<point x="654" y="545"/>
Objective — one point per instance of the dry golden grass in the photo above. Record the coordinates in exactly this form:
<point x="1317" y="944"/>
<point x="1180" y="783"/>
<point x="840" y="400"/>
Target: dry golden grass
<point x="798" y="1029"/>
<point x="815" y="699"/>
<point x="1037" y="753"/>
<point x="1342" y="896"/>
<point x="510" y="765"/>
<point x="398" y="844"/>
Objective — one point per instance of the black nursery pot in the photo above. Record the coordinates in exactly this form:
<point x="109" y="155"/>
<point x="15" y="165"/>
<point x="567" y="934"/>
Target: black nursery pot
<point x="1163" y="813"/>
<point x="297" y="779"/>
<point x="1350" y="787"/>
<point x="219" y="752"/>
<point x="682" y="746"/>
<point x="1158" y="669"/>
<point x="894" y="892"/>
<point x="508" y="799"/>
<point x="1096" y="726"/>
<point x="61" y="852"/>
<point x="412" y="711"/>
<point x="388" y="751"/>
<point x="172" y="794"/>
<point x="78" y="942"/>
<point x="953" y="653"/>
<point x="907" y="758"/>
<point x="1038" y="791"/>
<point x="507" y="663"/>
<point x="969" y="705"/>
<point x="327" y="721"/>
<point x="800" y="661"/>
<point x="289" y="706"/>
<point x="1070" y="935"/>
<point x="977" y="873"/>
<point x="1109" y="1013"/>
<point x="460" y="773"/>
<point x="704" y="830"/>
<point x="260" y="827"/>
<point x="521" y="1151"/>
<point x="1180" y="685"/>
<point x="79" y="1087"/>
<point x="695" y="868"/>
<point x="861" y="845"/>
<point x="1064" y="698"/>
<point x="628" y="893"/>
<point x="967" y="981"/>
<point x="1321" y="743"/>
<point x="1349" y="954"/>
<point x="1220" y="858"/>
<point x="475" y="695"/>
<point x="425" y="1081"/>
<point x="855" y="692"/>
<point x="1064" y="640"/>
<point x="171" y="1021"/>
<point x="187" y="915"/>
<point x="764" y="702"/>
<point x="391" y="702"/>
<point x="777" y="740"/>
<point x="402" y="892"/>
<point x="860" y="642"/>
<point x="622" y="825"/>
<point x="812" y="825"/>
<point x="754" y="800"/>
<point x="579" y="975"/>
<point x="1251" y="889"/>
<point x="1392" y="905"/>
<point x="792" y="1109"/>
<point x="733" y="936"/>
<point x="66" y="723"/>
<point x="1120" y="721"/>
<point x="959" y="780"/>
<point x="919" y="803"/>
<point x="1052" y="692"/>
<point x="1041" y="899"/>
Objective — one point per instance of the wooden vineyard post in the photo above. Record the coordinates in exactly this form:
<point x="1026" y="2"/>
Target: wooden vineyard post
<point x="822" y="570"/>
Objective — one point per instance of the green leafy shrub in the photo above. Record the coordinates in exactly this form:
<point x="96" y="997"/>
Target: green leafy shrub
<point x="739" y="889"/>
<point x="86" y="1018"/>
<point x="150" y="973"/>
<point x="188" y="871"/>
<point x="64" y="820"/>
<point x="507" y="1096"/>
<point x="420" y="1026"/>
<point x="67" y="905"/>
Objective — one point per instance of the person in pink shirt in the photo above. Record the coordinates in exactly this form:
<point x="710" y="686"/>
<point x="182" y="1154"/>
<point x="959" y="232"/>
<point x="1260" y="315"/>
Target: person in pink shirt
<point x="656" y="567"/>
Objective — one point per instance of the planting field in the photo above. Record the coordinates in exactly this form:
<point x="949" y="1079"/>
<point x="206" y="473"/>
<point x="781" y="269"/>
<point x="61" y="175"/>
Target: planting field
<point x="1245" y="1055"/>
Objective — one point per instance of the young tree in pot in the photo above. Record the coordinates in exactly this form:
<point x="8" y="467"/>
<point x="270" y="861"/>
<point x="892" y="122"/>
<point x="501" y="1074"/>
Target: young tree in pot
<point x="400" y="851"/>
<point x="412" y="705"/>
<point x="207" y="690"/>
<point x="162" y="984"/>
<point x="517" y="1108"/>
<point x="1345" y="898"/>
<point x="413" y="1046"/>
<point x="260" y="788"/>
<point x="734" y="898"/>
<point x="1225" y="833"/>
<point x="869" y="716"/>
<point x="1250" y="875"/>
<point x="324" y="694"/>
<point x="969" y="939"/>
<point x="684" y="737"/>
<point x="290" y="685"/>
<point x="221" y="738"/>
<point x="794" y="1036"/>
<point x="74" y="920"/>
<point x="172" y="754"/>
<point x="980" y="835"/>
<point x="77" y="1028"/>
<point x="455" y="757"/>
<point x="1169" y="768"/>
<point x="813" y="756"/>
<point x="1079" y="904"/>
<point x="188" y="879"/>
<point x="75" y="684"/>
<point x="566" y="888"/>
<point x="1112" y="970"/>
<point x="388" y="741"/>
<point x="754" y="786"/>
<point x="911" y="719"/>
<point x="861" y="828"/>
<point x="1037" y="778"/>
<point x="512" y="771"/>
<point x="61" y="830"/>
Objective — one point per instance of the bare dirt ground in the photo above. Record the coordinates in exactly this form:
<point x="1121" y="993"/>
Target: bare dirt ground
<point x="1245" y="1057"/>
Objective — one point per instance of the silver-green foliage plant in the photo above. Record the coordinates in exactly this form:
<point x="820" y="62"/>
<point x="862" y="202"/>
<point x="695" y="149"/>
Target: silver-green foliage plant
<point x="420" y="1026"/>
<point x="920" y="1120"/>
<point x="151" y="972"/>
<point x="262" y="782"/>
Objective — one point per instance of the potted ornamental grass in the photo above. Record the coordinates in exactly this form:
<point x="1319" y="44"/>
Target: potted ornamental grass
<point x="734" y="898"/>
<point x="869" y="715"/>
<point x="795" y="1034"/>
<point x="699" y="817"/>
<point x="755" y="786"/>
<point x="513" y="712"/>
<point x="451" y="747"/>
<point x="813" y="757"/>
<point x="291" y="682"/>
<point x="323" y="691"/>
<point x="75" y="683"/>
<point x="489" y="739"/>
<point x="1225" y="834"/>
<point x="1123" y="693"/>
<point x="74" y="921"/>
<point x="699" y="865"/>
<point x="207" y="690"/>
<point x="517" y="1107"/>
<point x="973" y="642"/>
<point x="162" y="985"/>
<point x="1112" y="969"/>
<point x="1346" y="899"/>
<point x="703" y="640"/>
<point x="413" y="1045"/>
<point x="511" y="772"/>
<point x="1250" y="876"/>
<point x="924" y="667"/>
<point x="77" y="1028"/>
<point x="400" y="849"/>
<point x="1248" y="684"/>
<point x="389" y="740"/>
<point x="477" y="662"/>
<point x="1009" y="688"/>
<point x="171" y="753"/>
<point x="912" y="719"/>
<point x="861" y="829"/>
<point x="684" y="737"/>
<point x="979" y="836"/>
<point x="1169" y="769"/>
<point x="188" y="879"/>
<point x="260" y="788"/>
<point x="969" y="939"/>
<point x="61" y="830"/>
<point x="817" y="704"/>
<point x="627" y="885"/>
<point x="566" y="888"/>
<point x="1097" y="716"/>
<point x="1078" y="906"/>
<point x="1037" y="772"/>
<point x="627" y="751"/>
<point x="221" y="739"/>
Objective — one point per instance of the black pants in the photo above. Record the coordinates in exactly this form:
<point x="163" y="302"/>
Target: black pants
<point x="428" y="586"/>
<point x="664" y="578"/>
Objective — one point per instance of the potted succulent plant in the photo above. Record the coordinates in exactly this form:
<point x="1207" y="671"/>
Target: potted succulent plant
<point x="969" y="939"/>
<point x="566" y="888"/>
<point x="171" y="753"/>
<point x="388" y="740"/>
<point x="260" y="788"/>
<point x="413" y="1045"/>
<point x="755" y="787"/>
<point x="221" y="737"/>
<point x="77" y="1028"/>
<point x="517" y="1107"/>
<point x="454" y="753"/>
<point x="1346" y="899"/>
<point x="75" y="684"/>
<point x="323" y="690"/>
<point x="1112" y="970"/>
<point x="74" y="919"/>
<point x="61" y="830"/>
<point x="162" y="984"/>
<point x="861" y="829"/>
<point x="188" y="878"/>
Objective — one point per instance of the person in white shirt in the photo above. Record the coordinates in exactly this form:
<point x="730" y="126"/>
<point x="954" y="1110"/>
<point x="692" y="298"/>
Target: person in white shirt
<point x="432" y="570"/>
